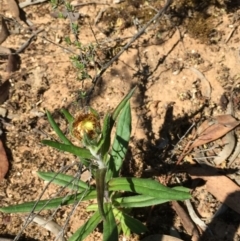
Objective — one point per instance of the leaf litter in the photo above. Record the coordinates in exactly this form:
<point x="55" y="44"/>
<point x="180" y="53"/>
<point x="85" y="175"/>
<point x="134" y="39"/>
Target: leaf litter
<point x="220" y="186"/>
<point x="4" y="165"/>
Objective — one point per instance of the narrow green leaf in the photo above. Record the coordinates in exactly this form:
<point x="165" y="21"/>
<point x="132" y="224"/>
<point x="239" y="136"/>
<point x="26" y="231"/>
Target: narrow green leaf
<point x="93" y="111"/>
<point x="139" y="201"/>
<point x="120" y="143"/>
<point x="134" y="225"/>
<point x="128" y="223"/>
<point x="105" y="140"/>
<point x="180" y="188"/>
<point x="125" y="229"/>
<point x="63" y="180"/>
<point x="122" y="104"/>
<point x="78" y="151"/>
<point x="57" y="129"/>
<point x="67" y="116"/>
<point x="100" y="186"/>
<point x="118" y="214"/>
<point x="147" y="187"/>
<point x="110" y="232"/>
<point x="92" y="207"/>
<point x="49" y="204"/>
<point x="87" y="228"/>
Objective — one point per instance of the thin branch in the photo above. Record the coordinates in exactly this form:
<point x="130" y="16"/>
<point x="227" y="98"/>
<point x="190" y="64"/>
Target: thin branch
<point x="30" y="2"/>
<point x="89" y="3"/>
<point x="25" y="45"/>
<point x="194" y="216"/>
<point x="136" y="36"/>
<point x="49" y="225"/>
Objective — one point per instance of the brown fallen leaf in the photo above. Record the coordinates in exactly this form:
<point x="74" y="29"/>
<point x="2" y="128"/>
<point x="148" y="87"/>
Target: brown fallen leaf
<point x="210" y="130"/>
<point x="14" y="9"/>
<point x="12" y="64"/>
<point x="229" y="142"/>
<point x="4" y="165"/>
<point x="5" y="51"/>
<point x="4" y="91"/>
<point x="220" y="186"/>
<point x="4" y="30"/>
<point x="213" y="129"/>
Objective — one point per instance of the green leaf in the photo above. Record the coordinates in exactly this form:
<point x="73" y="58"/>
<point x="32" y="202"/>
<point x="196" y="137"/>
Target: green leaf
<point x="105" y="140"/>
<point x="120" y="143"/>
<point x="110" y="232"/>
<point x="139" y="201"/>
<point x="122" y="104"/>
<point x="121" y="224"/>
<point x="147" y="187"/>
<point x="87" y="228"/>
<point x="67" y="116"/>
<point x="94" y="112"/>
<point x="180" y="188"/>
<point x="128" y="223"/>
<point x="63" y="180"/>
<point x="92" y="207"/>
<point x="78" y="151"/>
<point x="100" y="186"/>
<point x="135" y="225"/>
<point x="49" y="204"/>
<point x="57" y="129"/>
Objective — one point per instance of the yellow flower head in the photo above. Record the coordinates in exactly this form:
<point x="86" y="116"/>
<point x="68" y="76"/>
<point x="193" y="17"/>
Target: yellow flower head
<point x="86" y="123"/>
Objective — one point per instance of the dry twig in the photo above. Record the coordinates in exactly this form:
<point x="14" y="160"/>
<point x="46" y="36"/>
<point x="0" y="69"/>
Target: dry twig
<point x="136" y="36"/>
<point x="186" y="220"/>
<point x="30" y="2"/>
<point x="50" y="226"/>
<point x="194" y="216"/>
<point x="206" y="86"/>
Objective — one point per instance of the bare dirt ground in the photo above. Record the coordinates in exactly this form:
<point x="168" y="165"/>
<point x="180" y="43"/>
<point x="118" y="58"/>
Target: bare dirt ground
<point x="186" y="67"/>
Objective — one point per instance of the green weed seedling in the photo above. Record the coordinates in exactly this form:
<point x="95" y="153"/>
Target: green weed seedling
<point x="54" y="3"/>
<point x="104" y="158"/>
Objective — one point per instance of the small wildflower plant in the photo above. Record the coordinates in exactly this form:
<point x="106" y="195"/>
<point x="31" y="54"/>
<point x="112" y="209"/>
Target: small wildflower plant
<point x="104" y="158"/>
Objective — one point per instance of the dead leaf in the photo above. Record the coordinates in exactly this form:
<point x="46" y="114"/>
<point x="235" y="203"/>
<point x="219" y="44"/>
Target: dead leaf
<point x="4" y="31"/>
<point x="235" y="154"/>
<point x="14" y="9"/>
<point x="3" y="162"/>
<point x="12" y="64"/>
<point x="5" y="51"/>
<point x="213" y="129"/>
<point x="229" y="141"/>
<point x="4" y="91"/>
<point x="220" y="186"/>
<point x="210" y="130"/>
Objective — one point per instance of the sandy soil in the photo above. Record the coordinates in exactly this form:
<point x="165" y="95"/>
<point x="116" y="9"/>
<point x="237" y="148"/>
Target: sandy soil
<point x="173" y="63"/>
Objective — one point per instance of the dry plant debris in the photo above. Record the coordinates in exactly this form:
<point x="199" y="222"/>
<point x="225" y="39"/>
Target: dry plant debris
<point x="220" y="186"/>
<point x="4" y="165"/>
<point x="209" y="131"/>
